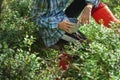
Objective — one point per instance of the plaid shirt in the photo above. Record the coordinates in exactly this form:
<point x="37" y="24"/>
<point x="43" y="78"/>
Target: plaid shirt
<point x="47" y="14"/>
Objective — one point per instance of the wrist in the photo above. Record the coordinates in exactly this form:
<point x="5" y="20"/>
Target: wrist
<point x="89" y="5"/>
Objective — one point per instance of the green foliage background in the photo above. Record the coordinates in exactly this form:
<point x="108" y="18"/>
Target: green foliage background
<point x="22" y="56"/>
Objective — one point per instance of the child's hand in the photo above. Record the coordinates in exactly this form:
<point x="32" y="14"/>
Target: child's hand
<point x="66" y="26"/>
<point x="86" y="14"/>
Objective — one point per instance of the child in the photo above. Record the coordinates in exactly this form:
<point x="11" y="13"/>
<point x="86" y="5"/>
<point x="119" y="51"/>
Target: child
<point x="56" y="20"/>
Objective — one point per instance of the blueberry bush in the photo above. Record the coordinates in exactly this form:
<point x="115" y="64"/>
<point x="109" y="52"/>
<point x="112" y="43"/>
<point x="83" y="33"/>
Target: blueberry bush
<point x="23" y="57"/>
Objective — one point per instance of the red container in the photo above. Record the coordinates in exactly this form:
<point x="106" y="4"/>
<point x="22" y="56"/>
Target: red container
<point x="103" y="15"/>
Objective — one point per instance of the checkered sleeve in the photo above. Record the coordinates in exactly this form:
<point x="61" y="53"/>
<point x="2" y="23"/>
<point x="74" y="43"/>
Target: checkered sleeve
<point x="52" y="21"/>
<point x="52" y="14"/>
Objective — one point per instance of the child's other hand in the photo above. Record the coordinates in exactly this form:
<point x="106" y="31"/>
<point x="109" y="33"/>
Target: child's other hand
<point x="86" y="14"/>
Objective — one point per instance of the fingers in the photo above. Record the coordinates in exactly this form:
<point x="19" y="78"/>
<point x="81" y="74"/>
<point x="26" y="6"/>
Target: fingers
<point x="66" y="26"/>
<point x="85" y="20"/>
<point x="69" y="24"/>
